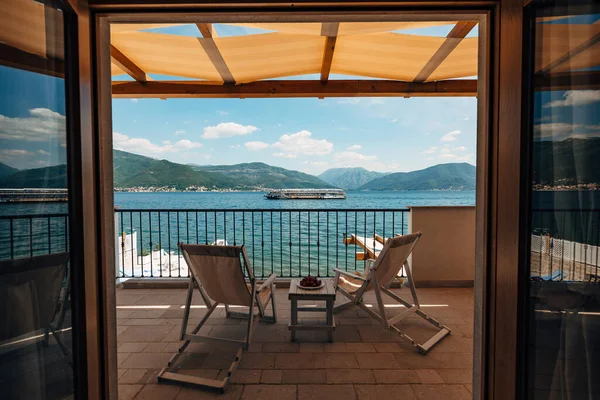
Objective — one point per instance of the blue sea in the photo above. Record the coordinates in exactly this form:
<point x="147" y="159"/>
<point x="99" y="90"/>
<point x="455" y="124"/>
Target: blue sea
<point x="256" y="200"/>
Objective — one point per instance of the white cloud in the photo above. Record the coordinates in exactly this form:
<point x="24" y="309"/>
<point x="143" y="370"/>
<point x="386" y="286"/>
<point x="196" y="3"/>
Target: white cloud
<point x="285" y="155"/>
<point x="450" y="136"/>
<point x="134" y="100"/>
<point x="575" y="98"/>
<point x="43" y="152"/>
<point x="430" y="150"/>
<point x="234" y="146"/>
<point x="222" y="113"/>
<point x="349" y="100"/>
<point x="352" y="156"/>
<point x="227" y="129"/>
<point x="179" y="132"/>
<point x="303" y="143"/>
<point x="354" y="147"/>
<point x="455" y="154"/>
<point x="145" y="147"/>
<point x="394" y="120"/>
<point x="456" y="157"/>
<point x="12" y="153"/>
<point x="42" y="125"/>
<point x="254" y="146"/>
<point x="560" y="131"/>
<point x="355" y="159"/>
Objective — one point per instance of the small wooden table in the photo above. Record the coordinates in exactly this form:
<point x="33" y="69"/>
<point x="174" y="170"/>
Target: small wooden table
<point x="326" y="294"/>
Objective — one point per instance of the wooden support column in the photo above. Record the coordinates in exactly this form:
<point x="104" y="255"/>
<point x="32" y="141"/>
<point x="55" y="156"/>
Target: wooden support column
<point x="330" y="31"/>
<point x="456" y="35"/>
<point x="210" y="47"/>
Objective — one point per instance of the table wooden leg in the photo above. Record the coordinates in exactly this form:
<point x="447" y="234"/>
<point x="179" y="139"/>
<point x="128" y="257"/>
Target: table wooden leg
<point x="294" y="318"/>
<point x="329" y="305"/>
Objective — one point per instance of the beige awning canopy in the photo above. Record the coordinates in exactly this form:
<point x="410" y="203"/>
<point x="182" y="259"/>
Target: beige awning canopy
<point x="362" y="50"/>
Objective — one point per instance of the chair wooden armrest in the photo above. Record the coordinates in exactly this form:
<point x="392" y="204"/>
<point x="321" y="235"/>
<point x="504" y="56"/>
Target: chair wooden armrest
<point x="350" y="274"/>
<point x="267" y="283"/>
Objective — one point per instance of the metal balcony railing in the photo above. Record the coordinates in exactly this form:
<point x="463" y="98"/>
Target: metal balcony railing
<point x="288" y="242"/>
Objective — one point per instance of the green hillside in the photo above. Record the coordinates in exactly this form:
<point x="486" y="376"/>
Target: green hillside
<point x="254" y="175"/>
<point x="349" y="178"/>
<point x="459" y="176"/>
<point x="131" y="170"/>
<point x="560" y="163"/>
<point x="49" y="177"/>
<point x="5" y="170"/>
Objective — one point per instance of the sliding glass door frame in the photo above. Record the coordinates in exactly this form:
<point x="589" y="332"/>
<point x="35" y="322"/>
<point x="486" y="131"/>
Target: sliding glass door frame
<point x="500" y="184"/>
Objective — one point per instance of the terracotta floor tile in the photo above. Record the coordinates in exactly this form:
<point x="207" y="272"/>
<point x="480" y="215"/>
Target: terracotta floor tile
<point x="232" y="392"/>
<point x="269" y="392"/>
<point x="464" y="376"/>
<point x="325" y="392"/>
<point x="146" y="360"/>
<point x="398" y="376"/>
<point x="245" y="376"/>
<point x="132" y="347"/>
<point x="128" y="392"/>
<point x="158" y="392"/>
<point x="446" y="392"/>
<point x="303" y="376"/>
<point x="387" y="392"/>
<point x="271" y="376"/>
<point x="132" y="376"/>
<point x="335" y="376"/>
<point x="377" y="360"/>
<point x="427" y="376"/>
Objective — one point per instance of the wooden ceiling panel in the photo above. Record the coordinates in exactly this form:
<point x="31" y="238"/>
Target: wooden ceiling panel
<point x="173" y="55"/>
<point x="272" y="55"/>
<point x="384" y="55"/>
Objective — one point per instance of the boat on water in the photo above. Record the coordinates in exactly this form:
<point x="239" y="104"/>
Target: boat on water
<point x="306" y="194"/>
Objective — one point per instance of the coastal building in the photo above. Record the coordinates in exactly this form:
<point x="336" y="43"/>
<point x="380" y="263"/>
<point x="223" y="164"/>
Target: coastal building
<point x="516" y="277"/>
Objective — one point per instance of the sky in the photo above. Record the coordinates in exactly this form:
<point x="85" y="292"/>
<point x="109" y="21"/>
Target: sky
<point x="309" y="135"/>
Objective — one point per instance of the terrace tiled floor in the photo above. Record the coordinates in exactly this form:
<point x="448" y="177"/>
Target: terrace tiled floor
<point x="364" y="361"/>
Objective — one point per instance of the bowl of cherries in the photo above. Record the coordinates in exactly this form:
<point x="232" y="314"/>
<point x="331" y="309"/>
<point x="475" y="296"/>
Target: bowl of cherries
<point x="310" y="282"/>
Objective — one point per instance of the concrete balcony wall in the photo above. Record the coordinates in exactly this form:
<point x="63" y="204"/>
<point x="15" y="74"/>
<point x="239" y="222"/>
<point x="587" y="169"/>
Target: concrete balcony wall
<point x="445" y="254"/>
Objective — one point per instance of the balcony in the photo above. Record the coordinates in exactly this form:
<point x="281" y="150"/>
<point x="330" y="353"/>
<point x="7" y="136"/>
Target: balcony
<point x="364" y="361"/>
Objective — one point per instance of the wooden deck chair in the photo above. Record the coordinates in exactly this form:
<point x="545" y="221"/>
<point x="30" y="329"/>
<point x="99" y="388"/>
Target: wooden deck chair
<point x="222" y="275"/>
<point x="378" y="276"/>
<point x="30" y="298"/>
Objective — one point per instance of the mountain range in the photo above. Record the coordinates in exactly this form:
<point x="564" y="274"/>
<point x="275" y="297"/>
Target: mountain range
<point x="133" y="170"/>
<point x="349" y="178"/>
<point x="5" y="170"/>
<point x="454" y="176"/>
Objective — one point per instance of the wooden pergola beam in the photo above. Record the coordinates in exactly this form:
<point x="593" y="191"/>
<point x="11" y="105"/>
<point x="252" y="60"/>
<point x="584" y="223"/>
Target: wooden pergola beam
<point x="330" y="31"/>
<point x="577" y="80"/>
<point x="128" y="66"/>
<point x="456" y="35"/>
<point x="210" y="47"/>
<point x="16" y="58"/>
<point x="295" y="88"/>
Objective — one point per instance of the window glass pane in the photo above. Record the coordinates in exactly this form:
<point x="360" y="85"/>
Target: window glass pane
<point x="563" y="315"/>
<point x="35" y="312"/>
